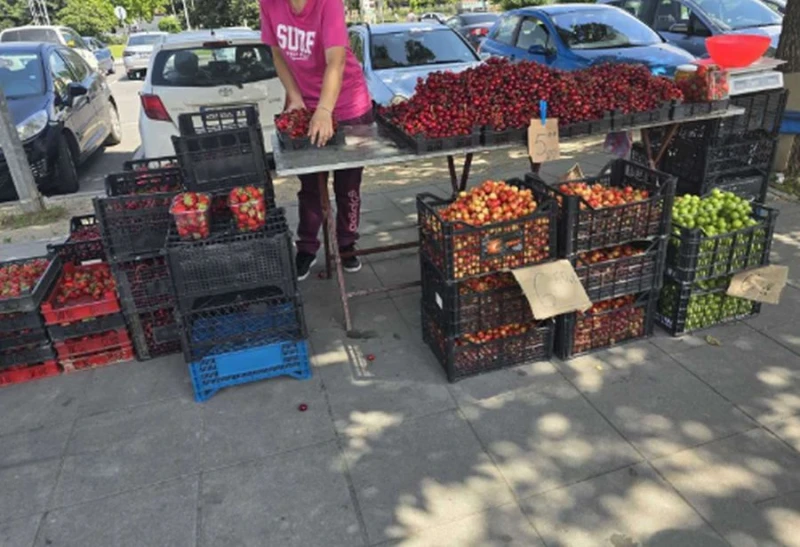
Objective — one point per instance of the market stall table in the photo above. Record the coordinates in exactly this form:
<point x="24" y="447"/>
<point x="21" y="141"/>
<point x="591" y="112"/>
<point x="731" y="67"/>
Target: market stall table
<point x="367" y="146"/>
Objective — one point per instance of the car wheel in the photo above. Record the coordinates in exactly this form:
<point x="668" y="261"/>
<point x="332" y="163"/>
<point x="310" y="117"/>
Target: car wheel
<point x="66" y="175"/>
<point x="115" y="128"/>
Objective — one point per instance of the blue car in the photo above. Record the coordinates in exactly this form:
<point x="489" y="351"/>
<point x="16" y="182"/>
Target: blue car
<point x="687" y="23"/>
<point x="575" y="36"/>
<point x="102" y="53"/>
<point x="395" y="55"/>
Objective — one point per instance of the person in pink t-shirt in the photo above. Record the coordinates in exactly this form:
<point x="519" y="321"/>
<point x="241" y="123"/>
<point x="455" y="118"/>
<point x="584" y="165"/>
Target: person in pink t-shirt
<point x="312" y="55"/>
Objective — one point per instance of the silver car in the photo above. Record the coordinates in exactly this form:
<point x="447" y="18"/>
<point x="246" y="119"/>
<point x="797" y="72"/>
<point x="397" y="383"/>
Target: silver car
<point x="138" y="50"/>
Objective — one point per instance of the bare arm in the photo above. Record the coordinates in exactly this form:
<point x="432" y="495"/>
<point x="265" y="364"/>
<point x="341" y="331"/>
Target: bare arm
<point x="321" y="128"/>
<point x="286" y="78"/>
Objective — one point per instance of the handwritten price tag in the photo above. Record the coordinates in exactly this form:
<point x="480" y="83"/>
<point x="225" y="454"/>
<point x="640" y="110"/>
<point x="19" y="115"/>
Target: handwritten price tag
<point x="543" y="144"/>
<point x="552" y="289"/>
<point x="761" y="284"/>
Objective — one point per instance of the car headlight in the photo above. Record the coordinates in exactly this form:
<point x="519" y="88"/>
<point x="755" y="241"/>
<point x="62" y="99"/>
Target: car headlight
<point x="33" y="125"/>
<point x="397" y="99"/>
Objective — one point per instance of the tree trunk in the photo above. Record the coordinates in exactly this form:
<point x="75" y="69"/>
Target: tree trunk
<point x="789" y="51"/>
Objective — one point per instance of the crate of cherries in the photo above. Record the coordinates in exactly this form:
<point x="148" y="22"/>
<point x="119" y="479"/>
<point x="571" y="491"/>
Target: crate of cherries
<point x="293" y="127"/>
<point x="192" y="215"/>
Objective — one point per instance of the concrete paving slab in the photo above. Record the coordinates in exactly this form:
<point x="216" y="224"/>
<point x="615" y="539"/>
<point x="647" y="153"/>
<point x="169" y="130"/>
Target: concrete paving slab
<point x="503" y="526"/>
<point x="44" y="402"/>
<point x="26" y="487"/>
<point x="786" y="248"/>
<point x="541" y="375"/>
<point x="788" y="430"/>
<point x="260" y="419"/>
<point x="131" y="384"/>
<point x="396" y="267"/>
<point x="658" y="406"/>
<point x="164" y="514"/>
<point x="420" y="474"/>
<point x="297" y="499"/>
<point x="122" y="450"/>
<point x="739" y="485"/>
<point x="35" y="445"/>
<point x="749" y="369"/>
<point x="545" y="439"/>
<point x="408" y="304"/>
<point x="780" y="322"/>
<point x="20" y="532"/>
<point x="629" y="507"/>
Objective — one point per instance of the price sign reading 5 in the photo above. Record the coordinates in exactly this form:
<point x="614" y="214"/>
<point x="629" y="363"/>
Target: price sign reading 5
<point x="543" y="142"/>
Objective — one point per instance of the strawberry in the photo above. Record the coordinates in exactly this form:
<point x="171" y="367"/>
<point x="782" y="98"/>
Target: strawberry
<point x="191" y="213"/>
<point x="248" y="207"/>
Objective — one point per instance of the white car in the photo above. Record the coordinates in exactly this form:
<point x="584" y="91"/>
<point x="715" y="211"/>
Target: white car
<point x="196" y="70"/>
<point x="51" y="35"/>
<point x="138" y="50"/>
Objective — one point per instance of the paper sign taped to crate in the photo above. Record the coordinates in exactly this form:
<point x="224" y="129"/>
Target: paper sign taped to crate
<point x="543" y="144"/>
<point x="552" y="289"/>
<point x="575" y="173"/>
<point x="761" y="284"/>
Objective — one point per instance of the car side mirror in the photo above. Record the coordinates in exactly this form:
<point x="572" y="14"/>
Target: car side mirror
<point x="700" y="31"/>
<point x="76" y="90"/>
<point x="537" y="49"/>
<point x="679" y="28"/>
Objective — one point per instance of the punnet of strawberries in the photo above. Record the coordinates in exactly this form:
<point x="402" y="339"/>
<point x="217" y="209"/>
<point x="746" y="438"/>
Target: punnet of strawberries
<point x="248" y="208"/>
<point x="296" y="123"/>
<point x="83" y="283"/>
<point x="502" y="95"/>
<point x="192" y="215"/>
<point x="20" y="278"/>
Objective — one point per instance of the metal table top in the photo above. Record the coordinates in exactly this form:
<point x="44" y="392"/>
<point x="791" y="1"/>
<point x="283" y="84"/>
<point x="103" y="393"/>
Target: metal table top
<point x="366" y="147"/>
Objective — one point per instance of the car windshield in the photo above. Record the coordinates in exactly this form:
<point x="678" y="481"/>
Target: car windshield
<point x="603" y="29"/>
<point x="31" y="34"/>
<point x="144" y="40"/>
<point x="21" y="75"/>
<point x="740" y="14"/>
<point x="213" y="66"/>
<point x="478" y="18"/>
<point x="422" y="47"/>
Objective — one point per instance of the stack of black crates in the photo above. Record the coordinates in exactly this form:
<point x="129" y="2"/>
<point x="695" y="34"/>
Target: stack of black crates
<point x="239" y="312"/>
<point x="475" y="317"/>
<point x="618" y="252"/>
<point x="134" y="220"/>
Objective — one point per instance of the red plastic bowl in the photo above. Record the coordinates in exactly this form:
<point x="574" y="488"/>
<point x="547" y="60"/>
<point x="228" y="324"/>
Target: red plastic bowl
<point x="737" y="50"/>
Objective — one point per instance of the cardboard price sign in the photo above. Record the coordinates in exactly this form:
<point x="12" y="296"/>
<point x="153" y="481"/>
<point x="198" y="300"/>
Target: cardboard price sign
<point x="761" y="284"/>
<point x="574" y="173"/>
<point x="552" y="289"/>
<point x="543" y="144"/>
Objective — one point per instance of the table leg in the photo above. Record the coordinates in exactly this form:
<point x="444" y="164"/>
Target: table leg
<point x="465" y="172"/>
<point x="451" y="166"/>
<point x="332" y="248"/>
<point x="672" y="130"/>
<point x="459" y="184"/>
<point x="535" y="167"/>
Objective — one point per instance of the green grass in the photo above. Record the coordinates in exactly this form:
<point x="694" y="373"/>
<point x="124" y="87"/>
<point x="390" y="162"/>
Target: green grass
<point x="116" y="50"/>
<point x="790" y="186"/>
<point x="24" y="220"/>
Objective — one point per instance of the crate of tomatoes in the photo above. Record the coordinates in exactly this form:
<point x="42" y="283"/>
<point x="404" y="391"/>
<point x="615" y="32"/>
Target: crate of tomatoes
<point x="84" y="242"/>
<point x="625" y="202"/>
<point x="81" y="292"/>
<point x="606" y="324"/>
<point x="24" y="282"/>
<point x="493" y="227"/>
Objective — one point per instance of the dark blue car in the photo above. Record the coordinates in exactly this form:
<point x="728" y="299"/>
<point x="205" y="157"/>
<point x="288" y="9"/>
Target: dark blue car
<point x="575" y="36"/>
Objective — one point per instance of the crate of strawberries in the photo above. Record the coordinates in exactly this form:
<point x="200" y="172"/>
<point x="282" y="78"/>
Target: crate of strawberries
<point x="626" y="202"/>
<point x="81" y="292"/>
<point x="84" y="242"/>
<point x="293" y="127"/>
<point x="24" y="282"/>
<point x="620" y="270"/>
<point x="492" y="227"/>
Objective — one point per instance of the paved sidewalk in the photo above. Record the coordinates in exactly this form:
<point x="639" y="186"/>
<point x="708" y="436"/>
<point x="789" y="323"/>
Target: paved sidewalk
<point x="666" y="442"/>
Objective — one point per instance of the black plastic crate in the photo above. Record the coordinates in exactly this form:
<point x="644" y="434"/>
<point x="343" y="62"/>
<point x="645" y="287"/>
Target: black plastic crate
<point x="621" y="120"/>
<point x="240" y="320"/>
<point x="161" y="162"/>
<point x="687" y="307"/>
<point x="144" y="284"/>
<point x="685" y="111"/>
<point x="35" y="353"/>
<point x="578" y="130"/>
<point x="763" y="114"/>
<point x="420" y="144"/>
<point x="154" y="333"/>
<point x="475" y="304"/>
<point x="582" y="227"/>
<point x="304" y="143"/>
<point x="460" y="251"/>
<point x="626" y="274"/>
<point x="493" y="137"/>
<point x="19" y="321"/>
<point x="94" y="325"/>
<point x="212" y="120"/>
<point x="462" y="358"/>
<point x="84" y="242"/>
<point x="607" y="324"/>
<point x="222" y="160"/>
<point x="751" y="185"/>
<point x="134" y="227"/>
<point x="230" y="261"/>
<point x="22" y="338"/>
<point x="150" y="181"/>
<point x="694" y="256"/>
<point x="30" y="301"/>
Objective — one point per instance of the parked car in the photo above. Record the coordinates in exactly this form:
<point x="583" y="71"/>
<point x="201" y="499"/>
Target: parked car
<point x="64" y="36"/>
<point x="473" y="26"/>
<point x="687" y="23"/>
<point x="432" y="16"/>
<point x="63" y="111"/>
<point x="137" y="52"/>
<point x="102" y="53"/>
<point x="196" y="70"/>
<point x="395" y="55"/>
<point x="574" y="36"/>
<point x="776" y="5"/>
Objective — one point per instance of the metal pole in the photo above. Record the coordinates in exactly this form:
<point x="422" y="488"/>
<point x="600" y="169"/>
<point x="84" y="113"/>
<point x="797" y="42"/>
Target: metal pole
<point x="29" y="198"/>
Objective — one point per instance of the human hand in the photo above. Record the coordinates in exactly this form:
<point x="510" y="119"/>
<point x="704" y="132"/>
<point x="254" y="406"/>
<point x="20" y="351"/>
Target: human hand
<point x="320" y="128"/>
<point x="294" y="104"/>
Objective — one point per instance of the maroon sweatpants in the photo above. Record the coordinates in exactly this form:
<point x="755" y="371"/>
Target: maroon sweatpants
<point x="347" y="187"/>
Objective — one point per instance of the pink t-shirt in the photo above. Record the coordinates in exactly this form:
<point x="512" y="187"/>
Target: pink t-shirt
<point x="303" y="38"/>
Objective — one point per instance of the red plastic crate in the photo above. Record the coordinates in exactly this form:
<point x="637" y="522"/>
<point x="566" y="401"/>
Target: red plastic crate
<point x="82" y="309"/>
<point x="102" y="358"/>
<point x="94" y="343"/>
<point x="25" y="373"/>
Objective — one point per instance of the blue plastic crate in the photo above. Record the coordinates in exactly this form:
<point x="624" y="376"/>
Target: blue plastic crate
<point x="250" y="365"/>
